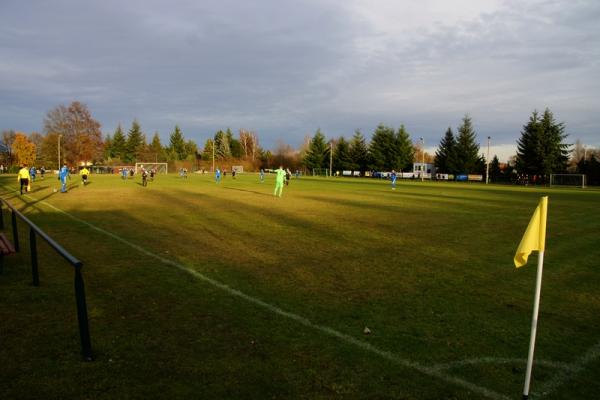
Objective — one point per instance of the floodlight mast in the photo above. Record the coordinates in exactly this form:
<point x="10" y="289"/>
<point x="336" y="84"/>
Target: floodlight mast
<point x="487" y="166"/>
<point x="331" y="158"/>
<point x="58" y="161"/>
<point x="422" y="159"/>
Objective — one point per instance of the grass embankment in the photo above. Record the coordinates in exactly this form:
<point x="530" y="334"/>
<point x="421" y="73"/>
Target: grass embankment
<point x="427" y="268"/>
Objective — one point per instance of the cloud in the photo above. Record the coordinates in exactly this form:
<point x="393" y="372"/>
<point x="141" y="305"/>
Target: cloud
<point x="286" y="68"/>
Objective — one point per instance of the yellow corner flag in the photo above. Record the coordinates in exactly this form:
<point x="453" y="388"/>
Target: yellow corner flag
<point x="535" y="235"/>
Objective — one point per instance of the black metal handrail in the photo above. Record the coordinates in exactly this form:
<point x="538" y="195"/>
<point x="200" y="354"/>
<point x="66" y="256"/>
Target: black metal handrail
<point x="34" y="231"/>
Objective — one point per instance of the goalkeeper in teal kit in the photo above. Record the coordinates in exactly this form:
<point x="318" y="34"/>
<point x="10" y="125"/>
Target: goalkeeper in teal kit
<point x="279" y="181"/>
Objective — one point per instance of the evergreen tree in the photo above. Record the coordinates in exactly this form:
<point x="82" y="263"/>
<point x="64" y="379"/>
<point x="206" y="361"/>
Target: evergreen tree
<point x="468" y="159"/>
<point x="235" y="147"/>
<point x="341" y="156"/>
<point x="118" y="143"/>
<point x="136" y="141"/>
<point x="540" y="149"/>
<point x="404" y="150"/>
<point x="495" y="170"/>
<point x="445" y="156"/>
<point x="382" y="149"/>
<point x="317" y="153"/>
<point x="208" y="150"/>
<point x="177" y="144"/>
<point x="222" y="148"/>
<point x="359" y="152"/>
<point x="190" y="149"/>
<point x="156" y="149"/>
<point x="556" y="153"/>
<point x="108" y="147"/>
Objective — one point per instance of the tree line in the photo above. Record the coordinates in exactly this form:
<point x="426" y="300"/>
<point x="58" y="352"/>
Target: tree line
<point x="541" y="148"/>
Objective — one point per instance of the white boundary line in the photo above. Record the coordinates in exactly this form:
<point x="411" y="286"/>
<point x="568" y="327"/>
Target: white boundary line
<point x="297" y="318"/>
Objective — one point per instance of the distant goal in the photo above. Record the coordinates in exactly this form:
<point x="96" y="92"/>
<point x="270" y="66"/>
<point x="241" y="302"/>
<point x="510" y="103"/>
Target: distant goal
<point x="573" y="180"/>
<point x="160" y="168"/>
<point x="320" y="172"/>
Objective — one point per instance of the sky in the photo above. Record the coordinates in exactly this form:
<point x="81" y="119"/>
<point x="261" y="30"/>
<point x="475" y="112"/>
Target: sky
<point x="287" y="68"/>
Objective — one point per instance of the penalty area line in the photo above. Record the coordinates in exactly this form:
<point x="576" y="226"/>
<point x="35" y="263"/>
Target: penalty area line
<point x="429" y="371"/>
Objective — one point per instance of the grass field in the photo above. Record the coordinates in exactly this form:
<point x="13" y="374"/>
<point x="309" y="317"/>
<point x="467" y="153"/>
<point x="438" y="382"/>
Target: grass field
<point x="198" y="290"/>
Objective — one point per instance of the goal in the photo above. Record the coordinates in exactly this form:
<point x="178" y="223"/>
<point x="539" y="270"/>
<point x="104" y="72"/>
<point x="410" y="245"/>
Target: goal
<point x="161" y="168"/>
<point x="576" y="180"/>
<point x="320" y="172"/>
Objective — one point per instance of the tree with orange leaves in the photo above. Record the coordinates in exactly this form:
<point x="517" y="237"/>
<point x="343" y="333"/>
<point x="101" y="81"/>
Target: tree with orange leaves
<point x="23" y="150"/>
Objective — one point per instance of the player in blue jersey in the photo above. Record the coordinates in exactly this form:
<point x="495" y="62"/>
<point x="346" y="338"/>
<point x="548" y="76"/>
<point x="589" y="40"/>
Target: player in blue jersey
<point x="393" y="178"/>
<point x="63" y="175"/>
<point x="218" y="175"/>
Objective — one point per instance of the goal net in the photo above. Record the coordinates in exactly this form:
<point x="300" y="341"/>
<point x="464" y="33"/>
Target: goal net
<point x="575" y="180"/>
<point x="320" y="172"/>
<point x="160" y="168"/>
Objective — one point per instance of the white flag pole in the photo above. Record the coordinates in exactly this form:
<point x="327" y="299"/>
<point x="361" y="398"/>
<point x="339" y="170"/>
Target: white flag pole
<point x="534" y="319"/>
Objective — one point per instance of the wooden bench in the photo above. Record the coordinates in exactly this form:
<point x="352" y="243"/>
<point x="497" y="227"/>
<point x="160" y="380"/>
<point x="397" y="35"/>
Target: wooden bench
<point x="6" y="248"/>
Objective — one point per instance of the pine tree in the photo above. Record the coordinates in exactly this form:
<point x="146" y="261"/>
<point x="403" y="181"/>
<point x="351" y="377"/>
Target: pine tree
<point x="108" y="147"/>
<point x="190" y="149"/>
<point x="359" y="153"/>
<point x="177" y="144"/>
<point x="556" y="153"/>
<point x="156" y="148"/>
<point x="208" y="149"/>
<point x="341" y="156"/>
<point x="382" y="149"/>
<point x="222" y="148"/>
<point x="318" y="152"/>
<point x="540" y="149"/>
<point x="495" y="170"/>
<point x="136" y="141"/>
<point x="468" y="159"/>
<point x="118" y="143"/>
<point x="445" y="156"/>
<point x="404" y="150"/>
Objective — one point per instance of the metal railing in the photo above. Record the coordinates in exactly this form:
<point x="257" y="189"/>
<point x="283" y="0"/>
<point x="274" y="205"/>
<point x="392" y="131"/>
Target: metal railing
<point x="34" y="232"/>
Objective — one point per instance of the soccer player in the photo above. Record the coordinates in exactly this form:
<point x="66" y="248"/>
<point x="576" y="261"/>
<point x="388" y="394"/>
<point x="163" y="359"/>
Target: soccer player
<point x="23" y="177"/>
<point x="218" y="175"/>
<point x="32" y="173"/>
<point x="84" y="172"/>
<point x="63" y="174"/>
<point x="262" y="175"/>
<point x="279" y="181"/>
<point x="393" y="178"/>
<point x="144" y="177"/>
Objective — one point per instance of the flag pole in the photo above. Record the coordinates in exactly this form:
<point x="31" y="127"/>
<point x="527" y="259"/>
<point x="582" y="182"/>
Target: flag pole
<point x="534" y="320"/>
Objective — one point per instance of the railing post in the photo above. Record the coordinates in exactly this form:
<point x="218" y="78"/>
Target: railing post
<point x="82" y="317"/>
<point x="14" y="229"/>
<point x="34" y="263"/>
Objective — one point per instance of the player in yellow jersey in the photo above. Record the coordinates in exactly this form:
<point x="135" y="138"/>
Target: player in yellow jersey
<point x="84" y="172"/>
<point x="23" y="177"/>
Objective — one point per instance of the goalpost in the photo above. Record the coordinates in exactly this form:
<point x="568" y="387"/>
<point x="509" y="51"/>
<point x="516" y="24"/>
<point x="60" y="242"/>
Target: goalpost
<point x="160" y="167"/>
<point x="576" y="180"/>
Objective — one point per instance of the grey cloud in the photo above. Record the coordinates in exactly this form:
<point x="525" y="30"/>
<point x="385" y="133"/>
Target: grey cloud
<point x="287" y="68"/>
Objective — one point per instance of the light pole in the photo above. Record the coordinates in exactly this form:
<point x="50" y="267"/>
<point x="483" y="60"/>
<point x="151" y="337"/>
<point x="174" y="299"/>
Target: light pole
<point x="59" y="136"/>
<point x="330" y="158"/>
<point x="487" y="164"/>
<point x="422" y="159"/>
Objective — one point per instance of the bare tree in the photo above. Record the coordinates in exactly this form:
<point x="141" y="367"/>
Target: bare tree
<point x="79" y="133"/>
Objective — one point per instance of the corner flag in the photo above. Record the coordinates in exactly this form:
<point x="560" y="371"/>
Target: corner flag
<point x="534" y="238"/>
